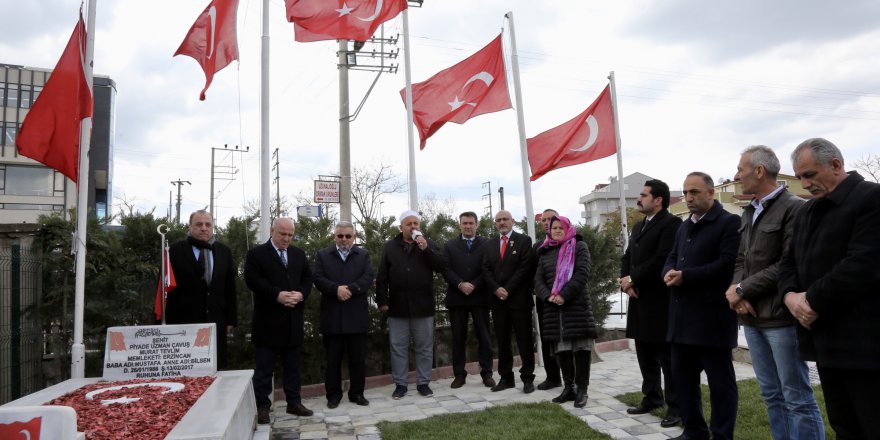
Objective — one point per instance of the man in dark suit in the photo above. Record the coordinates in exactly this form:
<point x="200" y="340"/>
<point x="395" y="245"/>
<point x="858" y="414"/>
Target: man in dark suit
<point x="466" y="298"/>
<point x="551" y="366"/>
<point x="205" y="275"/>
<point x="648" y="310"/>
<point x="509" y="272"/>
<point x="281" y="280"/>
<point x="344" y="275"/>
<point x="829" y="280"/>
<point x="702" y="328"/>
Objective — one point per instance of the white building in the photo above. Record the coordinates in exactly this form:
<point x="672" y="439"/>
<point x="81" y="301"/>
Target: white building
<point x="605" y="198"/>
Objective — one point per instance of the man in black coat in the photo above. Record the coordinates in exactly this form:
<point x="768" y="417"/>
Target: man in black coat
<point x="829" y="278"/>
<point x="280" y="278"/>
<point x="466" y="297"/>
<point x="509" y="273"/>
<point x="648" y="310"/>
<point x="344" y="275"/>
<point x="205" y="275"/>
<point x="702" y="328"/>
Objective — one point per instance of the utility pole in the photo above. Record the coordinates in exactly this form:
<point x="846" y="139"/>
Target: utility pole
<point x="179" y="184"/>
<point x="170" y="210"/>
<point x="227" y="171"/>
<point x="501" y="196"/>
<point x="488" y="195"/>
<point x="277" y="169"/>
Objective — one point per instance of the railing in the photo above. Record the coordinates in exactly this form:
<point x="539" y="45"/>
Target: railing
<point x="20" y="339"/>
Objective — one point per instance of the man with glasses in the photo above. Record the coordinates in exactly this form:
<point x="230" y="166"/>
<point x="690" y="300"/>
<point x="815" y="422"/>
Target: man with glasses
<point x="509" y="273"/>
<point x="343" y="275"/>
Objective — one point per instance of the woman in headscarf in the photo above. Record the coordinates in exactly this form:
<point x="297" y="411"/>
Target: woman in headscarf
<point x="568" y="323"/>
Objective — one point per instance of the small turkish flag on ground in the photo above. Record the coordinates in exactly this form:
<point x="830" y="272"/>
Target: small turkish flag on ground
<point x="203" y="337"/>
<point x="212" y="39"/>
<point x="50" y="134"/>
<point x="169" y="282"/>
<point x="587" y="137"/>
<point x="29" y="430"/>
<point x="474" y="86"/>
<point x="316" y="20"/>
<point x="117" y="341"/>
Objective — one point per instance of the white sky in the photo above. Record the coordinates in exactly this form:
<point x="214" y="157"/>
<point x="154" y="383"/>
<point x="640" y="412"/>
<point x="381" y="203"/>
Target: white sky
<point x="697" y="82"/>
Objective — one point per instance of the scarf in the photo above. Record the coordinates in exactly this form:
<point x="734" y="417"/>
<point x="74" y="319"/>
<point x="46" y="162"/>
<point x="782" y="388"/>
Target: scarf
<point x="199" y="243"/>
<point x="565" y="259"/>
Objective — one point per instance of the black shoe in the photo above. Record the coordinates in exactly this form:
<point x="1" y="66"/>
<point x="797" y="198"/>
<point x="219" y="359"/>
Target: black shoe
<point x="399" y="392"/>
<point x="640" y="409"/>
<point x="263" y="415"/>
<point x="488" y="382"/>
<point x="299" y="410"/>
<point x="567" y="395"/>
<point x="670" y="421"/>
<point x="359" y="400"/>
<point x="528" y="387"/>
<point x="548" y="385"/>
<point x="458" y="382"/>
<point x="580" y="399"/>
<point x="424" y="390"/>
<point x="690" y="437"/>
<point x="503" y="385"/>
<point x="332" y="403"/>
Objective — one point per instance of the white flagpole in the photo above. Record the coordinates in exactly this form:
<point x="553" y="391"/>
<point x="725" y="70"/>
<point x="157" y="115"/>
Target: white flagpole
<point x="413" y="187"/>
<point x="78" y="350"/>
<point x="621" y="186"/>
<point x="524" y="159"/>
<point x="265" y="154"/>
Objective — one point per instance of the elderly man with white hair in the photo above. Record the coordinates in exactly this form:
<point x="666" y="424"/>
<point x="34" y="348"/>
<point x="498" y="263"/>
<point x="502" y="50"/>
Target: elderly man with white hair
<point x="405" y="293"/>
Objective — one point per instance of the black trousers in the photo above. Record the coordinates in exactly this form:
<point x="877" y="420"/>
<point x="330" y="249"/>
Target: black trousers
<point x="688" y="361"/>
<point x="458" y="319"/>
<point x="654" y="357"/>
<point x="516" y="322"/>
<point x="336" y="347"/>
<point x="851" y="401"/>
<point x="262" y="381"/>
<point x="551" y="366"/>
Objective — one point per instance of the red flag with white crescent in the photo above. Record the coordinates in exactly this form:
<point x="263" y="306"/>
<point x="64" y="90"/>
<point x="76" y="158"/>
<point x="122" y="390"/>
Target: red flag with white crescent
<point x="475" y="86"/>
<point x="169" y="282"/>
<point x="587" y="137"/>
<point x="317" y="20"/>
<point x="29" y="430"/>
<point x="212" y="39"/>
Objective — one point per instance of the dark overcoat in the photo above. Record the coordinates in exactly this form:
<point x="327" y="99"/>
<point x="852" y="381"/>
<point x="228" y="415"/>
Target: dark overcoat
<point x="574" y="318"/>
<point x="463" y="265"/>
<point x="516" y="272"/>
<point x="343" y="317"/>
<point x="194" y="301"/>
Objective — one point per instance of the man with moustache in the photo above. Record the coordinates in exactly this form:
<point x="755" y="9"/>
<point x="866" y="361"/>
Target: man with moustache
<point x="770" y="330"/>
<point x="551" y="366"/>
<point x="405" y="293"/>
<point x="648" y="310"/>
<point x="466" y="298"/>
<point x="702" y="328"/>
<point x="509" y="272"/>
<point x="829" y="280"/>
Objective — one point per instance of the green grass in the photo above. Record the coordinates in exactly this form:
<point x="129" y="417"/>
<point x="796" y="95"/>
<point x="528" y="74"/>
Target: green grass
<point x="525" y="421"/>
<point x="751" y="418"/>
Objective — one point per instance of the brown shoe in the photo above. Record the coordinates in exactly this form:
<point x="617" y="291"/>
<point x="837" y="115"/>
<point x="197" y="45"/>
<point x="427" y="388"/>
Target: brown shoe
<point x="458" y="382"/>
<point x="488" y="381"/>
<point x="299" y="410"/>
<point x="263" y="415"/>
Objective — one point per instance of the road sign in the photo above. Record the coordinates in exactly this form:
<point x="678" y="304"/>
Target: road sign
<point x="309" y="211"/>
<point x="326" y="191"/>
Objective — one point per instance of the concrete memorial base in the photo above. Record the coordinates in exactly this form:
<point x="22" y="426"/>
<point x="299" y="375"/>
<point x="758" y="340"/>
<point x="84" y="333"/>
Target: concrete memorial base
<point x="226" y="410"/>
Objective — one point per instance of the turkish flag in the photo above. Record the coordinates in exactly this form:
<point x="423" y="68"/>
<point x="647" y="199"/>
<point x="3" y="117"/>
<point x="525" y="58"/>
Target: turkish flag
<point x="29" y="430"/>
<point x="212" y="39"/>
<point x="117" y="341"/>
<point x="317" y="20"/>
<point x="203" y="337"/>
<point x="50" y="133"/>
<point x="474" y="86"/>
<point x="587" y="137"/>
<point x="169" y="282"/>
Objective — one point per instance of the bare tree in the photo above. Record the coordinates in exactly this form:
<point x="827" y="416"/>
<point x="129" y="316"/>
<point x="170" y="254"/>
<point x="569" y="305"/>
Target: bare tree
<point x="368" y="185"/>
<point x="870" y="165"/>
<point x="430" y="206"/>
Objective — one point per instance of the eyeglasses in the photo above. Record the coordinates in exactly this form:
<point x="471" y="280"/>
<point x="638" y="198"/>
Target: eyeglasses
<point x="346" y="236"/>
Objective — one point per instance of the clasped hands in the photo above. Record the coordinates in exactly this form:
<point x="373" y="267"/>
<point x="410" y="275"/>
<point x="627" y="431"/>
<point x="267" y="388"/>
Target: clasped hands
<point x="289" y="298"/>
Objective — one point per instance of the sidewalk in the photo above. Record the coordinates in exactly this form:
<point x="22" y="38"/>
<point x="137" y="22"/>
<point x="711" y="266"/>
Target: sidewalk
<point x="618" y="373"/>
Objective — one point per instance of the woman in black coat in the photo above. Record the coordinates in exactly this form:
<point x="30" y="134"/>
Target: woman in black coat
<point x="568" y="323"/>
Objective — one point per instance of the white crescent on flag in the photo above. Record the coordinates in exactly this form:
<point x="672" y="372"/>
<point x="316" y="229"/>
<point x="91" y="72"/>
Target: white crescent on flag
<point x="375" y="13"/>
<point x="213" y="14"/>
<point x="593" y="126"/>
<point x="27" y="434"/>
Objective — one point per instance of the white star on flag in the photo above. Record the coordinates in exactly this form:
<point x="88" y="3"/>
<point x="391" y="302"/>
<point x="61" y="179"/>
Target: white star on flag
<point x="345" y="10"/>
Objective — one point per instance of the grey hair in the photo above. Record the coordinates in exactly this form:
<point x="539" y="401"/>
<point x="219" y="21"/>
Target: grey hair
<point x="823" y="151"/>
<point x="344" y="224"/>
<point x="762" y="155"/>
<point x="275" y="222"/>
<point x="199" y="212"/>
<point x="707" y="179"/>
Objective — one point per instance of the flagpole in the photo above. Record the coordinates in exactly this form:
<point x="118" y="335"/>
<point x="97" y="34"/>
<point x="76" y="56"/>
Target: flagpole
<point x="413" y="188"/>
<point x="78" y="351"/>
<point x="344" y="136"/>
<point x="621" y="186"/>
<point x="524" y="160"/>
<point x="265" y="155"/>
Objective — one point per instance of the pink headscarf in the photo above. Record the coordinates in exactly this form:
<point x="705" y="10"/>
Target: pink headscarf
<point x="565" y="259"/>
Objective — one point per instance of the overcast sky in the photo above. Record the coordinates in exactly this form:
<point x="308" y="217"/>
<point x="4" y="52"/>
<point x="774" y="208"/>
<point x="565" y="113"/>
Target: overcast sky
<point x="697" y="82"/>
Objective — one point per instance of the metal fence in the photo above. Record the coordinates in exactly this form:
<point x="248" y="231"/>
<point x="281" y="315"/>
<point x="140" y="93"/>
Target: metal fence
<point x="20" y="336"/>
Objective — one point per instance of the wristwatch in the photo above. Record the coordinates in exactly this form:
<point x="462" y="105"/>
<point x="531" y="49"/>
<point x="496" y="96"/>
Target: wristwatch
<point x="739" y="290"/>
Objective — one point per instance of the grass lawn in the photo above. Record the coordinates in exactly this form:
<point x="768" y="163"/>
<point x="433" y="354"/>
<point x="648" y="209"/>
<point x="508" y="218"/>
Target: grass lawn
<point x="525" y="421"/>
<point x="751" y="418"/>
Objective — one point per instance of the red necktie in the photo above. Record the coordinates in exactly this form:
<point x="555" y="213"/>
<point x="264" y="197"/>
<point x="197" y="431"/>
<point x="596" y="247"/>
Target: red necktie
<point x="503" y="245"/>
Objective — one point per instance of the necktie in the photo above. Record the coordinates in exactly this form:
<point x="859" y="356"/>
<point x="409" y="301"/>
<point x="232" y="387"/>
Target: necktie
<point x="344" y="254"/>
<point x="206" y="266"/>
<point x="503" y="245"/>
<point x="470" y="242"/>
<point x="644" y="225"/>
<point x="283" y="254"/>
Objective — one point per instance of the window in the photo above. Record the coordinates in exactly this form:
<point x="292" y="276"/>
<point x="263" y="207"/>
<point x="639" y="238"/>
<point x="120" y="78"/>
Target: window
<point x="2" y="94"/>
<point x="26" y="101"/>
<point x="29" y="181"/>
<point x="37" y="90"/>
<point x="9" y="132"/>
<point x="12" y="95"/>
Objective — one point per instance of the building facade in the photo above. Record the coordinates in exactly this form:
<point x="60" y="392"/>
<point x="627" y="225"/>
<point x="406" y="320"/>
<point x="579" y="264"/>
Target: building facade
<point x="27" y="188"/>
<point x="604" y="201"/>
<point x="729" y="193"/>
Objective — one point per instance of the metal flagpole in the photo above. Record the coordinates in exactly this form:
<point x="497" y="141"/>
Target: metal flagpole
<point x="78" y="350"/>
<point x="265" y="154"/>
<point x="413" y="188"/>
<point x="621" y="186"/>
<point x="163" y="251"/>
<point x="344" y="136"/>
<point x="524" y="157"/>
